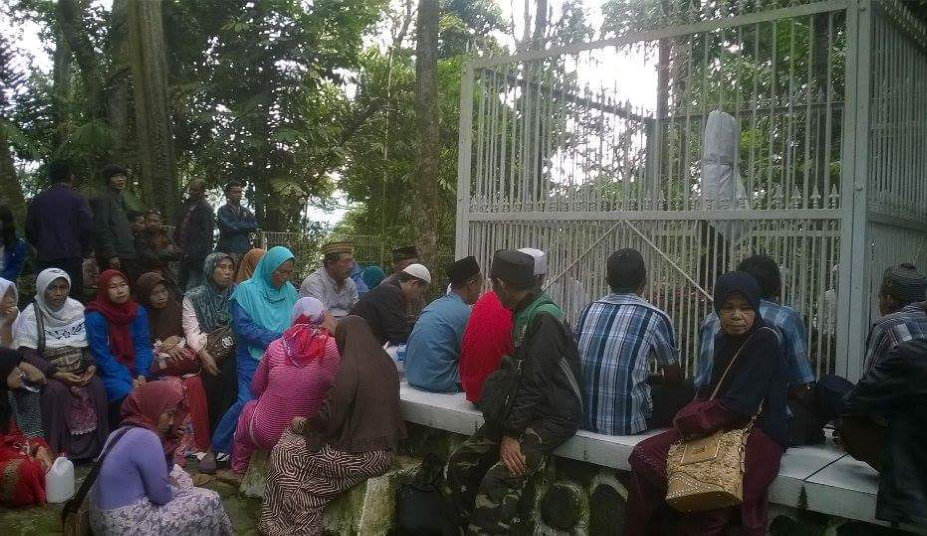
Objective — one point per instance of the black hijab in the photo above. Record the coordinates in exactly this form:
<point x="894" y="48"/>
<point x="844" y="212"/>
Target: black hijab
<point x="9" y="359"/>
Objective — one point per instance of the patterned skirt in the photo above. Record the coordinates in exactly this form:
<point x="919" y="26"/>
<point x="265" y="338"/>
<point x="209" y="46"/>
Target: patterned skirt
<point x="300" y="483"/>
<point x="192" y="511"/>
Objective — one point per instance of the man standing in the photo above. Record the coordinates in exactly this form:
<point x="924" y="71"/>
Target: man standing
<point x="194" y="235"/>
<point x="331" y="284"/>
<point x="617" y="335"/>
<point x="535" y="405"/>
<point x="115" y="244"/>
<point x="236" y="223"/>
<point x="59" y="225"/>
<point x="434" y="345"/>
<point x="385" y="307"/>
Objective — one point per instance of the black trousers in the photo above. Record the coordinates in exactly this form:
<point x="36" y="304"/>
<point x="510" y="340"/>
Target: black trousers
<point x="74" y="268"/>
<point x="668" y="399"/>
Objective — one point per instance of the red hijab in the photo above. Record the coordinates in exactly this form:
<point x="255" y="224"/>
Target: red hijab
<point x="145" y="404"/>
<point x="118" y="319"/>
<point x="305" y="341"/>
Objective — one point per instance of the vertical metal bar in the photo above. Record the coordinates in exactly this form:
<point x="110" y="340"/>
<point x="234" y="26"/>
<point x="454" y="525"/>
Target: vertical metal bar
<point x="464" y="146"/>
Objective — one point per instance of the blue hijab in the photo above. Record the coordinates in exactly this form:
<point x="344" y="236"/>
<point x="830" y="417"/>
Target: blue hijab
<point x="267" y="306"/>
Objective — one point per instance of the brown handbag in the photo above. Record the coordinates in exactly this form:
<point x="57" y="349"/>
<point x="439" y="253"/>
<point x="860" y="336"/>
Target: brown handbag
<point x="708" y="473"/>
<point x="220" y="343"/>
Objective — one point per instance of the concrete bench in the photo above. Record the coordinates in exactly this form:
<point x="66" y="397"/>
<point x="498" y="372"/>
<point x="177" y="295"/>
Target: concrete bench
<point x="833" y="482"/>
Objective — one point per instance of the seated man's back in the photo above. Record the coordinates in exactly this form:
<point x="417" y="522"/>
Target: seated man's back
<point x="434" y="345"/>
<point x="616" y="336"/>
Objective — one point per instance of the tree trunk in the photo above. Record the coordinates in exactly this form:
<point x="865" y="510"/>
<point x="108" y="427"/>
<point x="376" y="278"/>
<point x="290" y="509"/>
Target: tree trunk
<point x="61" y="89"/>
<point x="117" y="90"/>
<point x="427" y="212"/>
<point x="152" y="111"/>
<point x="11" y="192"/>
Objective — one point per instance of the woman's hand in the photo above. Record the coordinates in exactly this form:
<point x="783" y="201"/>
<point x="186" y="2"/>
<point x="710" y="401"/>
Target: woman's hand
<point x="68" y="378"/>
<point x="88" y="375"/>
<point x="209" y="362"/>
<point x="138" y="382"/>
<point x="33" y="375"/>
<point x="329" y="322"/>
<point x="297" y="424"/>
<point x="175" y="354"/>
<point x="9" y="314"/>
<point x="511" y="456"/>
<point x="44" y="457"/>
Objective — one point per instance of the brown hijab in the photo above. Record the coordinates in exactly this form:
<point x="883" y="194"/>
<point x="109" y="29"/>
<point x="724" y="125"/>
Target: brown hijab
<point x="361" y="413"/>
<point x="165" y="322"/>
<point x="248" y="264"/>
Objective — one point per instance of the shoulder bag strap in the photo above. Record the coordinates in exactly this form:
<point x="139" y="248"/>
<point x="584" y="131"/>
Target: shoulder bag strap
<point x="40" y="327"/>
<point x="74" y="504"/>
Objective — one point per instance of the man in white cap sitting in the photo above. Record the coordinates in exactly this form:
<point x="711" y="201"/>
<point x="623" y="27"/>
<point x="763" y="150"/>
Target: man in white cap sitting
<point x="385" y="307"/>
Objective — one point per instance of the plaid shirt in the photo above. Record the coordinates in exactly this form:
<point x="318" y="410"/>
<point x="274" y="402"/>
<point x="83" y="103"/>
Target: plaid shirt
<point x="616" y="336"/>
<point x="891" y="330"/>
<point x="792" y="337"/>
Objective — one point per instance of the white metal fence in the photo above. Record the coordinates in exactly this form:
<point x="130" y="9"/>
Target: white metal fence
<point x="587" y="148"/>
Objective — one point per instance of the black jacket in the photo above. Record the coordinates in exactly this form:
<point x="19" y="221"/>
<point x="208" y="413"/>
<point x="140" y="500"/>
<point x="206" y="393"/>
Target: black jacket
<point x="195" y="229"/>
<point x="549" y="397"/>
<point x="112" y="232"/>
<point x="896" y="388"/>
<point x="385" y="308"/>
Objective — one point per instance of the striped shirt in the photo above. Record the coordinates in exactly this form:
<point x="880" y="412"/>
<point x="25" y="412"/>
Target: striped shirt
<point x="906" y="324"/>
<point x="792" y="336"/>
<point x="616" y="336"/>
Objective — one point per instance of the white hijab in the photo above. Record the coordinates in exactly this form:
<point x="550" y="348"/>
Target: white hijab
<point x="310" y="307"/>
<point x="5" y="286"/>
<point x="63" y="326"/>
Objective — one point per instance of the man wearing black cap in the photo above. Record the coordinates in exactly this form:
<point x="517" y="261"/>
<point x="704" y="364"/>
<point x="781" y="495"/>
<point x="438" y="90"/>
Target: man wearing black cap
<point x="903" y="318"/>
<point x="404" y="256"/>
<point x="531" y="406"/>
<point x="434" y="345"/>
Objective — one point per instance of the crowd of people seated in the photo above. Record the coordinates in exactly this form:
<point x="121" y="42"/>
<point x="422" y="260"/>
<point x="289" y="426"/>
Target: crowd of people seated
<point x="191" y="351"/>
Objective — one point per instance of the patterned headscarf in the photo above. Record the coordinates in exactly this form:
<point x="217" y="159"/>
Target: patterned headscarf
<point x="63" y="326"/>
<point x="210" y="302"/>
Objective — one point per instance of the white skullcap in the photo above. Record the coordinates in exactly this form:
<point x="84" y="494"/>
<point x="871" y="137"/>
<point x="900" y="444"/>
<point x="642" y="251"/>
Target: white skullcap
<point x="419" y="271"/>
<point x="540" y="260"/>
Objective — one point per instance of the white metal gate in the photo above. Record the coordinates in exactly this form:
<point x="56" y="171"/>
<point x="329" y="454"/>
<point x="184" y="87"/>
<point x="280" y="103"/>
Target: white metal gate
<point x="583" y="149"/>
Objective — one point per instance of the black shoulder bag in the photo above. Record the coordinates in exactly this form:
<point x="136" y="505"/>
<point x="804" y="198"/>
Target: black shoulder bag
<point x="420" y="502"/>
<point x="75" y="517"/>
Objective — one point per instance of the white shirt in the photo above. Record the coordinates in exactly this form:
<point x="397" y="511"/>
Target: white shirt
<point x="338" y="299"/>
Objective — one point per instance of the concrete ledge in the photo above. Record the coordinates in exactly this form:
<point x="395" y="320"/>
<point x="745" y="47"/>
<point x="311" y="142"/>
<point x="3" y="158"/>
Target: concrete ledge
<point x="820" y="478"/>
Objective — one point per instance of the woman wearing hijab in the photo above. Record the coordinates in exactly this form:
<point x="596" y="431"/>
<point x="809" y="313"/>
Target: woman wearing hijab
<point x="756" y="385"/>
<point x="248" y="264"/>
<point x="260" y="309"/>
<point x="9" y="311"/>
<point x="350" y="439"/>
<point x="136" y="492"/>
<point x="23" y="460"/>
<point x="26" y="400"/>
<point x="372" y="276"/>
<point x="117" y="332"/>
<point x="172" y="357"/>
<point x="292" y="381"/>
<point x="205" y="310"/>
<point x="51" y="336"/>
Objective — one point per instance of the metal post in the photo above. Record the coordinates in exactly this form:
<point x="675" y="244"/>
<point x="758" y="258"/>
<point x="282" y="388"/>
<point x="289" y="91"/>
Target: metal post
<point x="462" y="241"/>
<point x="852" y="294"/>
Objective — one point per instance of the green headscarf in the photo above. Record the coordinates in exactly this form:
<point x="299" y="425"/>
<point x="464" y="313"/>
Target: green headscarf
<point x="267" y="306"/>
